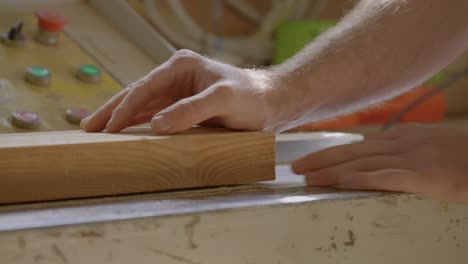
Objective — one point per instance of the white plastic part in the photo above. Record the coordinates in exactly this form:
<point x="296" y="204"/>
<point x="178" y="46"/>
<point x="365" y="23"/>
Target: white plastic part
<point x="291" y="146"/>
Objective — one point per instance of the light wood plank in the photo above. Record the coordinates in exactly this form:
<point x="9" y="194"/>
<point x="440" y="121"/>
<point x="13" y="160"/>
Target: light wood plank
<point x="72" y="164"/>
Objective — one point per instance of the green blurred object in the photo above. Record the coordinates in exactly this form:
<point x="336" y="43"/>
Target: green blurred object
<point x="292" y="36"/>
<point x="437" y="79"/>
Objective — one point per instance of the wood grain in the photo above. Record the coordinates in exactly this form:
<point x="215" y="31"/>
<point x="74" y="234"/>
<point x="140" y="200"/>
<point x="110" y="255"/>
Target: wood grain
<point x="71" y="164"/>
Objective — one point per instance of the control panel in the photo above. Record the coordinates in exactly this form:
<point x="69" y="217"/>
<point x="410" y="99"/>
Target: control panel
<point x="47" y="82"/>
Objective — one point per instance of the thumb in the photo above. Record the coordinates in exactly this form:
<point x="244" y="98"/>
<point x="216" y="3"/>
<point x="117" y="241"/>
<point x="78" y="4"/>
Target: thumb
<point x="189" y="111"/>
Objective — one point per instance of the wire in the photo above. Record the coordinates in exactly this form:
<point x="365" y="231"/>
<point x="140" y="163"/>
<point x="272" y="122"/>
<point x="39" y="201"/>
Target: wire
<point x="301" y="9"/>
<point x="317" y="9"/>
<point x="255" y="49"/>
<point x="442" y="86"/>
<point x="180" y="39"/>
<point x="246" y="10"/>
<point x="278" y="13"/>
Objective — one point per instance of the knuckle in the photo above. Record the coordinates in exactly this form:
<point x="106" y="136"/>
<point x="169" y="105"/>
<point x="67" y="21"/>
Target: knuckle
<point x="189" y="109"/>
<point x="225" y="91"/>
<point x="131" y="86"/>
<point x="185" y="57"/>
<point x="143" y="82"/>
<point x="117" y="111"/>
<point x="185" y="52"/>
<point x="186" y="105"/>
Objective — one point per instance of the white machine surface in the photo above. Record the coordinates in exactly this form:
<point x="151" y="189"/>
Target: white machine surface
<point x="272" y="222"/>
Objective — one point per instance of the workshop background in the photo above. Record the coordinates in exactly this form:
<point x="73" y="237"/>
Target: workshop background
<point x="265" y="32"/>
<point x="205" y="196"/>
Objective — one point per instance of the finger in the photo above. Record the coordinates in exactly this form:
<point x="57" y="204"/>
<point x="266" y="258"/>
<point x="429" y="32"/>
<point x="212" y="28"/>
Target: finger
<point x="398" y="131"/>
<point x="331" y="176"/>
<point x="383" y="135"/>
<point x="97" y="121"/>
<point x="141" y="119"/>
<point x="400" y="180"/>
<point x="177" y="73"/>
<point x="343" y="153"/>
<point x="138" y="97"/>
<point x="191" y="111"/>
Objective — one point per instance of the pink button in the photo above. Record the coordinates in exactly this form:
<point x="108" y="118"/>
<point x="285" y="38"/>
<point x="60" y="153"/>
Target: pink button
<point x="25" y="119"/>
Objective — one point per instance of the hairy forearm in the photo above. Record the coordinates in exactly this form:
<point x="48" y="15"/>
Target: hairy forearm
<point x="380" y="49"/>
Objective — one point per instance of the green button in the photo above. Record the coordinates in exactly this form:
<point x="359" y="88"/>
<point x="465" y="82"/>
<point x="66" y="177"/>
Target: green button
<point x="38" y="72"/>
<point x="90" y="70"/>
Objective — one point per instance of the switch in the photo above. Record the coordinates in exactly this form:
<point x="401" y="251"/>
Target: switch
<point x="89" y="73"/>
<point x="14" y="36"/>
<point x="38" y="75"/>
<point x="51" y="24"/>
<point x="76" y="114"/>
<point x="28" y="120"/>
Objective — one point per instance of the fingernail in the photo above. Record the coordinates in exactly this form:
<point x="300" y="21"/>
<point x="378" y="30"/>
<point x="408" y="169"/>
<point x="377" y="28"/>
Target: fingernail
<point x="160" y="123"/>
<point x="83" y="122"/>
<point x="108" y="126"/>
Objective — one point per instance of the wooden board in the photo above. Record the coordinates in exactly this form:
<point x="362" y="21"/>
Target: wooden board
<point x="71" y="164"/>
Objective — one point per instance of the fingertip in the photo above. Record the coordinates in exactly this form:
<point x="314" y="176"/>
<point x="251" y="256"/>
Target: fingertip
<point x="294" y="168"/>
<point x="313" y="179"/>
<point x="112" y="128"/>
<point x="161" y="125"/>
<point x="297" y="167"/>
<point x="83" y="124"/>
<point x="86" y="125"/>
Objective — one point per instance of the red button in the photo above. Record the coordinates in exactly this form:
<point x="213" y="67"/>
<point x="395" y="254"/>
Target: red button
<point x="51" y="21"/>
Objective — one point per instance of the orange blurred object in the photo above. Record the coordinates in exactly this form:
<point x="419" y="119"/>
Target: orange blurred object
<point x="342" y="122"/>
<point x="431" y="110"/>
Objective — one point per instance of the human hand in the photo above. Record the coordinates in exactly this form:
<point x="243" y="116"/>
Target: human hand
<point x="427" y="160"/>
<point x="187" y="90"/>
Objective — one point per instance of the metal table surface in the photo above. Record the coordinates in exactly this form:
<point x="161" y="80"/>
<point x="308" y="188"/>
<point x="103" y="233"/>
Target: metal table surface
<point x="286" y="189"/>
